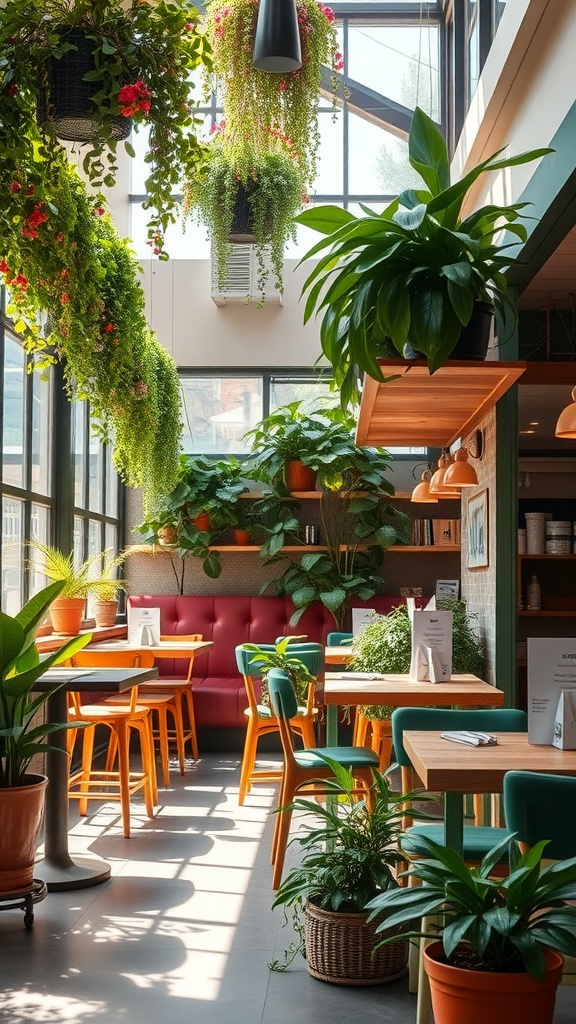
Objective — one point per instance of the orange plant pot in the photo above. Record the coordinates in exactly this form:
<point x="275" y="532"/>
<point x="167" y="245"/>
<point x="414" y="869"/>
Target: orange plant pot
<point x="21" y="813"/>
<point x="202" y="522"/>
<point x="299" y="477"/>
<point x="105" y="613"/>
<point x="66" y="614"/>
<point x="242" y="538"/>
<point x="461" y="996"/>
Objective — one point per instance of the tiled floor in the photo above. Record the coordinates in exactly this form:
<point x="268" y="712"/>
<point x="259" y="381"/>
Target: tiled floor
<point x="183" y="931"/>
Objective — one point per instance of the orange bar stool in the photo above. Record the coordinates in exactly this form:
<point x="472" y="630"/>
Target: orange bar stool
<point x="89" y="783"/>
<point x="380" y="736"/>
<point x="181" y="694"/>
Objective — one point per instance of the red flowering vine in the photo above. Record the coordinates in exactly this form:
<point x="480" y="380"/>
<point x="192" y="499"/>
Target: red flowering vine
<point x="134" y="99"/>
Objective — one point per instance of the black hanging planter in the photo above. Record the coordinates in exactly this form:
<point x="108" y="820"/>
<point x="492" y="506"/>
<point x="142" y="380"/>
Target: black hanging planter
<point x="474" y="338"/>
<point x="242" y="230"/>
<point x="67" y="107"/>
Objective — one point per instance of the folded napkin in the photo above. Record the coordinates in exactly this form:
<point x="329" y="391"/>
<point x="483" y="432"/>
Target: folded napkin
<point x="361" y="675"/>
<point x="472" y="739"/>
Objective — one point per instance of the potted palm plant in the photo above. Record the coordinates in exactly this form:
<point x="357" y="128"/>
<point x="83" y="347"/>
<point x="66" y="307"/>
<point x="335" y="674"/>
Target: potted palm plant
<point x="350" y="856"/>
<point x="107" y="588"/>
<point x="413" y="273"/>
<point x="23" y="735"/>
<point x="78" y="581"/>
<point x="498" y="955"/>
<point x="130" y="63"/>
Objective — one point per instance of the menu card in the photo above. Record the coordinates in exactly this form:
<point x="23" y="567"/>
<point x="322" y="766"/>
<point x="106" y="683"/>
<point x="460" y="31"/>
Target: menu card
<point x="551" y="669"/>
<point x="144" y="626"/>
<point x="361" y="617"/>
<point x="431" y="647"/>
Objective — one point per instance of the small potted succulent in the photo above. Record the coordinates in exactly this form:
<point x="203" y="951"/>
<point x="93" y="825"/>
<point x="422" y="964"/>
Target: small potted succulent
<point x="499" y="944"/>
<point x="350" y="856"/>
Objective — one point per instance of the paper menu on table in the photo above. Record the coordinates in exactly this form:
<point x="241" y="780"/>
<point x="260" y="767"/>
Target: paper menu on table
<point x="144" y="626"/>
<point x="551" y="669"/>
<point x="361" y="617"/>
<point x="565" y="721"/>
<point x="431" y="646"/>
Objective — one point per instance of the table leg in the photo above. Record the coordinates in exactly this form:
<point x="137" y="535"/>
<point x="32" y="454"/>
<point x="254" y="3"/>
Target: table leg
<point x="57" y="868"/>
<point x="332" y="725"/>
<point x="453" y="822"/>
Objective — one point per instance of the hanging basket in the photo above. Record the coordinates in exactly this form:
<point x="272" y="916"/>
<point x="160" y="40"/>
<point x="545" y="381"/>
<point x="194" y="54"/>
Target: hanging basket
<point x="242" y="230"/>
<point x="67" y="108"/>
<point x="339" y="949"/>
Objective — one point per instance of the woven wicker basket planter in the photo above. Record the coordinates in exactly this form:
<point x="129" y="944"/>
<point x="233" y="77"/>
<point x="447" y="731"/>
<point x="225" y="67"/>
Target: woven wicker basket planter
<point x="339" y="949"/>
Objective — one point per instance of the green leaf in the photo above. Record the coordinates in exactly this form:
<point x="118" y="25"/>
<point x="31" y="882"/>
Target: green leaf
<point x="427" y="152"/>
<point x="324" y="218"/>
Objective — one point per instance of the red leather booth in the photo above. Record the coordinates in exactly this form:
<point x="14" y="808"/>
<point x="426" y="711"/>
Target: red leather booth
<point x="219" y="697"/>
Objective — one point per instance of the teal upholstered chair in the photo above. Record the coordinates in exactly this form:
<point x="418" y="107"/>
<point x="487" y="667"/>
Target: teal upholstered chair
<point x="477" y="839"/>
<point x="536" y="807"/>
<point x="261" y="720"/>
<point x="337" y="639"/>
<point x="302" y="767"/>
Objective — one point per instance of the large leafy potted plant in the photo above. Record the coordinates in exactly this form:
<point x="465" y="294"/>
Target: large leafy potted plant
<point x="201" y="506"/>
<point x="498" y="958"/>
<point x="349" y="856"/>
<point x="248" y="193"/>
<point x="60" y="254"/>
<point x="23" y="735"/>
<point x="413" y="273"/>
<point x="139" y="61"/>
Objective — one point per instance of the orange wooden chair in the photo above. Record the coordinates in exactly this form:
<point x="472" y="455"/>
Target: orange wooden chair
<point x="88" y="783"/>
<point x="181" y="693"/>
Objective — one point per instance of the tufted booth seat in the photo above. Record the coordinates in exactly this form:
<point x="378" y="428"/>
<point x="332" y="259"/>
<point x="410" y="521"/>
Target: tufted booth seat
<point x="219" y="697"/>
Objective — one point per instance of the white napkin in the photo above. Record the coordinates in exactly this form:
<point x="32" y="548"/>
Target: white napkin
<point x="472" y="739"/>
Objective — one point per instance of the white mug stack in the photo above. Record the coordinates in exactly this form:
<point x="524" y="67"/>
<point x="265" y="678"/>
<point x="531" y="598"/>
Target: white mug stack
<point x="536" y="532"/>
<point x="558" y="537"/>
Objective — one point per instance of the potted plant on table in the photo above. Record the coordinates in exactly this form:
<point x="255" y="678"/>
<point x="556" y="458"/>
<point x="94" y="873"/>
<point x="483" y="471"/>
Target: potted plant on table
<point x="77" y="582"/>
<point x="130" y="63"/>
<point x="498" y="955"/>
<point x="414" y="273"/>
<point x="350" y="856"/>
<point x="23" y="735"/>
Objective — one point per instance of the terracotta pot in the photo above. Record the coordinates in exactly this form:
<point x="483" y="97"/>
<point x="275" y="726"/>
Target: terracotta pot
<point x="339" y="949"/>
<point x="202" y="522"/>
<point x="105" y="613"/>
<point x="461" y="996"/>
<point x="21" y="813"/>
<point x="242" y="538"/>
<point x="299" y="477"/>
<point x="167" y="535"/>
<point x="66" y="614"/>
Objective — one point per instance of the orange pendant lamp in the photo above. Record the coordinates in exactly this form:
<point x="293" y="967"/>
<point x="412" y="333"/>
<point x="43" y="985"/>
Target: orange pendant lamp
<point x="438" y="486"/>
<point x="566" y="426"/>
<point x="421" y="492"/>
<point x="461" y="473"/>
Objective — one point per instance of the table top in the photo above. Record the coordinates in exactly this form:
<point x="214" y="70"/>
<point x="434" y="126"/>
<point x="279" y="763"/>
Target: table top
<point x="444" y="766"/>
<point x="164" y="649"/>
<point x="106" y="679"/>
<point x="399" y="690"/>
<point x="338" y="655"/>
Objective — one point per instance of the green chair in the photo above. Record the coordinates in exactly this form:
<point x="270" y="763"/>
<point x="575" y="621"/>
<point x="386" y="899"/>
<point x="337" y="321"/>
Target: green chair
<point x="477" y="839"/>
<point x="303" y="767"/>
<point x="261" y="719"/>
<point x="536" y="807"/>
<point x="339" y="639"/>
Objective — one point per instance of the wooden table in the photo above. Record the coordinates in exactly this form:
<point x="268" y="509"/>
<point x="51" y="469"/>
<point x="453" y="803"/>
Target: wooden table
<point x="57" y="868"/>
<point x="165" y="649"/>
<point x="463" y="691"/>
<point x="455" y="769"/>
<point x="338" y="655"/>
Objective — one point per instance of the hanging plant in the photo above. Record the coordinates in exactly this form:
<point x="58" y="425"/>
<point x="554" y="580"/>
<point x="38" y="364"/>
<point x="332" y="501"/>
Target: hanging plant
<point x="256" y="101"/>
<point x="265" y="184"/>
<point x="62" y="255"/>
<point x="142" y="57"/>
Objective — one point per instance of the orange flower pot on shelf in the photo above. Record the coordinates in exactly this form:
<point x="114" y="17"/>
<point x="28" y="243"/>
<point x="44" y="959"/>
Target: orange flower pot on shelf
<point x="105" y="613"/>
<point x="299" y="477"/>
<point x="242" y="538"/>
<point x="461" y="996"/>
<point x="167" y="536"/>
<point x="202" y="522"/>
<point x="66" y="614"/>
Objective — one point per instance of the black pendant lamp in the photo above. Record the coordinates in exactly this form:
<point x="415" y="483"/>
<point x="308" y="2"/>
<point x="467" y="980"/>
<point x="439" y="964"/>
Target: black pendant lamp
<point x="277" y="41"/>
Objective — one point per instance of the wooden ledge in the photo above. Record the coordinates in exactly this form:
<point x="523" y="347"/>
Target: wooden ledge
<point x="53" y="641"/>
<point x="414" y="408"/>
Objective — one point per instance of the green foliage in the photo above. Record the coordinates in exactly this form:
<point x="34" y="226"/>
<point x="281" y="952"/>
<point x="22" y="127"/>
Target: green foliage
<point x="349" y="853"/>
<point x="154" y="47"/>
<point x="21" y="738"/>
<point x="504" y="922"/>
<point x="273" y="188"/>
<point x="385" y="645"/>
<point x="297" y="672"/>
<point x="72" y="265"/>
<point x="205" y="485"/>
<point x="413" y="272"/>
<point x="93" y="576"/>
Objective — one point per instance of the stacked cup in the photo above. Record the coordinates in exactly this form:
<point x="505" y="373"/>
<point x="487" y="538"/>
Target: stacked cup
<point x="558" y="537"/>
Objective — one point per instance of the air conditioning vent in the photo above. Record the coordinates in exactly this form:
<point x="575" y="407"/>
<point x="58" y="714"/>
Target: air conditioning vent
<point x="241" y="283"/>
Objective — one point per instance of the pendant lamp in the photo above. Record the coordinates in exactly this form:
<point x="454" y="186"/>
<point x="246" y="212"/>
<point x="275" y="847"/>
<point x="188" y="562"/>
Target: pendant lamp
<point x="438" y="488"/>
<point x="566" y="426"/>
<point x="461" y="473"/>
<point x="421" y="492"/>
<point x="277" y="48"/>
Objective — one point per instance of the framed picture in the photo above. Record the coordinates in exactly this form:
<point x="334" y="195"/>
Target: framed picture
<point x="477" y="533"/>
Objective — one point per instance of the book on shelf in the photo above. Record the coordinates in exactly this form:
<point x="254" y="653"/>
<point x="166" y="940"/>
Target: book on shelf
<point x="435" y="532"/>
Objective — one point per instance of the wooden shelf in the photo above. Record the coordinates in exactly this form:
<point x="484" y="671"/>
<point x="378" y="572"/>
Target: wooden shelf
<point x="161" y="549"/>
<point x="558" y="613"/>
<point x="311" y="495"/>
<point x="546" y="558"/>
<point x="436" y="549"/>
<point x="414" y="408"/>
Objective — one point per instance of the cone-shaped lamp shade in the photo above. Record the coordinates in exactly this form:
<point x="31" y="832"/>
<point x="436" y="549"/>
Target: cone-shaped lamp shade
<point x="460" y="473"/>
<point x="421" y="493"/>
<point x="277" y="40"/>
<point x="566" y="426"/>
<point x="438" y="487"/>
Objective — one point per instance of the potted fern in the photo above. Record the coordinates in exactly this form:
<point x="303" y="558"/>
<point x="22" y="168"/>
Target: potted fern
<point x="77" y="582"/>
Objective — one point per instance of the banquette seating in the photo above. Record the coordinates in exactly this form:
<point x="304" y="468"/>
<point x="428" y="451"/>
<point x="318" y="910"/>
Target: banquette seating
<point x="219" y="695"/>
